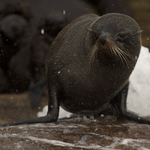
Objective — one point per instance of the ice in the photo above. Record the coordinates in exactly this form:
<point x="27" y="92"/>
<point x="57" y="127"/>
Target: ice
<point x="139" y="89"/>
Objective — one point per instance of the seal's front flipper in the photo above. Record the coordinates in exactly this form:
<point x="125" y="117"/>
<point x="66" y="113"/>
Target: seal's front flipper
<point x="53" y="110"/>
<point x="120" y="105"/>
<point x="35" y="92"/>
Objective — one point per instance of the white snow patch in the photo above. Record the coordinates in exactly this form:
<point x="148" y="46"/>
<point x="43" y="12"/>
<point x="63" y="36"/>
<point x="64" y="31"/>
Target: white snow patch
<point x="139" y="88"/>
<point x="43" y="112"/>
<point x="62" y="112"/>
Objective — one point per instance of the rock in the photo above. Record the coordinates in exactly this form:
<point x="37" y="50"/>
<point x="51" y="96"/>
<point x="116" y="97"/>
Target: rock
<point x="105" y="133"/>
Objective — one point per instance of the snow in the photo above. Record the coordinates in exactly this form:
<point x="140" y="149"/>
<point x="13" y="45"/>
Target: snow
<point x="139" y="90"/>
<point x="62" y="113"/>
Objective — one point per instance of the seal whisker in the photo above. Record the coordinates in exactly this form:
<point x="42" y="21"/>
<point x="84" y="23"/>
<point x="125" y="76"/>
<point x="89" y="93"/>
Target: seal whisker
<point x="112" y="49"/>
<point x="93" y="53"/>
<point x="124" y="56"/>
<point x="117" y="53"/>
<point x="130" y="56"/>
<point x="121" y="56"/>
<point x="127" y="54"/>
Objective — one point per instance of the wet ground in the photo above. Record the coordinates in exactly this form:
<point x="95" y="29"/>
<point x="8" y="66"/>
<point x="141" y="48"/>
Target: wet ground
<point x="77" y="134"/>
<point x="15" y="107"/>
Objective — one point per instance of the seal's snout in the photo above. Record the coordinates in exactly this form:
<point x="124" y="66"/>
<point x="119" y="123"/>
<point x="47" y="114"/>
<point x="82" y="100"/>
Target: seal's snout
<point x="105" y="38"/>
<point x="102" y="39"/>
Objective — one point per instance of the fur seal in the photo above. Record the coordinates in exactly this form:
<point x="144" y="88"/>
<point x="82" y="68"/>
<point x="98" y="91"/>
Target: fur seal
<point x="89" y="64"/>
<point x="15" y="46"/>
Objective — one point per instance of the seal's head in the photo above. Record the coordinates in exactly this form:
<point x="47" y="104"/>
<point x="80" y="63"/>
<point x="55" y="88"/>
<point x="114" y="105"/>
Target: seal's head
<point x="15" y="22"/>
<point x="117" y="38"/>
<point x="12" y="27"/>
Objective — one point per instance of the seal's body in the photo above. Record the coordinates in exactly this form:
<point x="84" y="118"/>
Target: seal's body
<point x="86" y="85"/>
<point x="89" y="64"/>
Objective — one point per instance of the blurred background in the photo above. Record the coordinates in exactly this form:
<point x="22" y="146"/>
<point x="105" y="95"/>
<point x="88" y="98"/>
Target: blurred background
<point x="27" y="29"/>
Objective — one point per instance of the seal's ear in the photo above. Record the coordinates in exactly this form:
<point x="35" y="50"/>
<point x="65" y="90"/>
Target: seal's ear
<point x="140" y="31"/>
<point x="89" y="29"/>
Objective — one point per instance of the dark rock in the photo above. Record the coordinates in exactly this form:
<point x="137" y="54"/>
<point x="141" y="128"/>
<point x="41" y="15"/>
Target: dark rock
<point x="104" y="133"/>
<point x="76" y="134"/>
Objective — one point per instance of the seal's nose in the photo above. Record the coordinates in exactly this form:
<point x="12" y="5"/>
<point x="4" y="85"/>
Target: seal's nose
<point x="102" y="39"/>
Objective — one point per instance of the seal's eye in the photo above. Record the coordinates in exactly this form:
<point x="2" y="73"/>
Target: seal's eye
<point x="121" y="36"/>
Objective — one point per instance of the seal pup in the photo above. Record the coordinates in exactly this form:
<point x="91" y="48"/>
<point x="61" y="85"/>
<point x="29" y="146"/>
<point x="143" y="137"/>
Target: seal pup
<point x="88" y="67"/>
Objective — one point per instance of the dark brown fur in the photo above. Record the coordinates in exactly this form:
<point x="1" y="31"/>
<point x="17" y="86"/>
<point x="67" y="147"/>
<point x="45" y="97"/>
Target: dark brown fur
<point x="15" y="46"/>
<point x="88" y="67"/>
<point x="69" y="61"/>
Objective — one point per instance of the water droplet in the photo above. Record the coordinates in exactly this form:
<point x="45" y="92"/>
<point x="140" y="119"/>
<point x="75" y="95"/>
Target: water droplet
<point x="64" y="12"/>
<point x="42" y="31"/>
<point x="96" y="129"/>
<point x="102" y="115"/>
